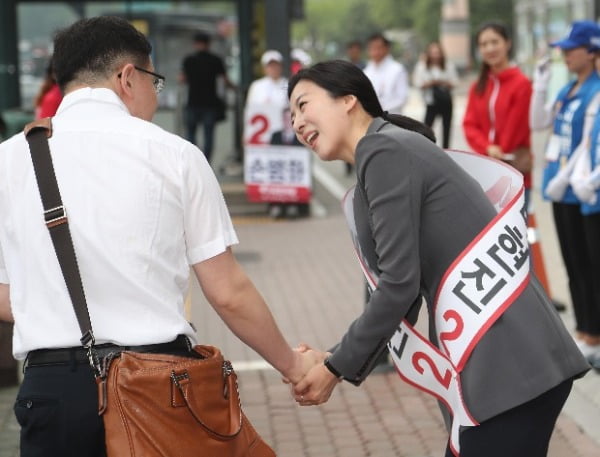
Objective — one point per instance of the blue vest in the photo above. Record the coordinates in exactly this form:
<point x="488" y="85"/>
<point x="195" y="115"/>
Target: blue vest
<point x="568" y="125"/>
<point x="595" y="159"/>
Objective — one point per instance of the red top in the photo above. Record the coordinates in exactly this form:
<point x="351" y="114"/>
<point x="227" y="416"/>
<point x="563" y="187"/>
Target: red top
<point x="501" y="114"/>
<point x="49" y="103"/>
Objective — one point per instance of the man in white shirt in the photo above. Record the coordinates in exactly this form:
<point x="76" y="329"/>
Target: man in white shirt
<point x="143" y="206"/>
<point x="388" y="76"/>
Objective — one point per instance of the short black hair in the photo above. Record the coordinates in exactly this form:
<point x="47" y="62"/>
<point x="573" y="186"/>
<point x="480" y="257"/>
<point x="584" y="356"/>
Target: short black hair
<point x="379" y="37"/>
<point x="202" y="37"/>
<point x="90" y="49"/>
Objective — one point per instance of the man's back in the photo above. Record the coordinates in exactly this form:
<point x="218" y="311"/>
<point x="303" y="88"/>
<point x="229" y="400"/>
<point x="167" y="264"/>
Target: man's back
<point x="202" y="70"/>
<point x="139" y="202"/>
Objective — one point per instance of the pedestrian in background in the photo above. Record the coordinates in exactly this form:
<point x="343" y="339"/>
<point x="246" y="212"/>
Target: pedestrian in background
<point x="49" y="97"/>
<point x="412" y="214"/>
<point x="202" y="72"/>
<point x="354" y="53"/>
<point x="271" y="90"/>
<point x="387" y="75"/>
<point x="576" y="214"/>
<point x="143" y="206"/>
<point x="496" y="121"/>
<point x="436" y="77"/>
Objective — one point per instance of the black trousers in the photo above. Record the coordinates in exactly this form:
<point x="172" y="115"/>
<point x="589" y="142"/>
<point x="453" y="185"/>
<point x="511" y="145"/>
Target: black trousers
<point x="579" y="239"/>
<point x="57" y="408"/>
<point x="523" y="431"/>
<point x="445" y="111"/>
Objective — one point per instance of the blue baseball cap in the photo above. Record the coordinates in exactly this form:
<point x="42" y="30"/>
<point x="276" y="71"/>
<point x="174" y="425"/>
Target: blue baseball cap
<point x="581" y="34"/>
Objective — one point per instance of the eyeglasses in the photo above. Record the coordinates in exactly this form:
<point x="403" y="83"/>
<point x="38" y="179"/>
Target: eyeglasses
<point x="158" y="82"/>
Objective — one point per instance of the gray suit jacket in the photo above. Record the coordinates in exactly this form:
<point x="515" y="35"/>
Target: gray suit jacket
<point x="415" y="211"/>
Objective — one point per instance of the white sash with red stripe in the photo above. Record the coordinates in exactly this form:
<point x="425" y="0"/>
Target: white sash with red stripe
<point x="477" y="288"/>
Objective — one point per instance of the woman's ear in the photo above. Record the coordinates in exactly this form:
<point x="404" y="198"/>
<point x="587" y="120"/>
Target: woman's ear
<point x="350" y="101"/>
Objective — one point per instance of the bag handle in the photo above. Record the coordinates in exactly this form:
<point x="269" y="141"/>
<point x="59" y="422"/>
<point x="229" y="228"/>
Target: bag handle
<point x="55" y="217"/>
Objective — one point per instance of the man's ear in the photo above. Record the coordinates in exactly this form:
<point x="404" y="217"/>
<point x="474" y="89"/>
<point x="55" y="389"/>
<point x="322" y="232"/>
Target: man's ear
<point x="125" y="79"/>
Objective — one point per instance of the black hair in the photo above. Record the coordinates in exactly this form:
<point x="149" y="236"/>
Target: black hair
<point x="91" y="49"/>
<point x="354" y="43"/>
<point x="484" y="71"/>
<point x="428" y="60"/>
<point x="340" y="78"/>
<point x="381" y="37"/>
<point x="202" y="37"/>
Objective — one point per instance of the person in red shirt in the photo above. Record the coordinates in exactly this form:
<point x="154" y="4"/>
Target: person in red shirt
<point x="496" y="121"/>
<point x="49" y="97"/>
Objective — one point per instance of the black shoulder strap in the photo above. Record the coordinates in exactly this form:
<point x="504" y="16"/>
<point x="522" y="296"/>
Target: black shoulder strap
<point x="55" y="216"/>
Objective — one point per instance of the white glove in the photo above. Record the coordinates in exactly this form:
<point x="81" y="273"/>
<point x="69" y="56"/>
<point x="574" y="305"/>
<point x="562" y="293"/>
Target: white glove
<point x="585" y="191"/>
<point x="557" y="187"/>
<point x="541" y="74"/>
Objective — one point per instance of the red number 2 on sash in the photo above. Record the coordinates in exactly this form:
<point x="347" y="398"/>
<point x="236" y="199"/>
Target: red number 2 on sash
<point x="444" y="381"/>
<point x="454" y="334"/>
<point x="263" y="122"/>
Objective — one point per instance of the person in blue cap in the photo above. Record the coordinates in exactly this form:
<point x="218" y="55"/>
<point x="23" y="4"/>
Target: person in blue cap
<point x="577" y="223"/>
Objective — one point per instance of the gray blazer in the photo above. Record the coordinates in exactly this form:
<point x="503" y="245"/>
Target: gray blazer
<point x="415" y="211"/>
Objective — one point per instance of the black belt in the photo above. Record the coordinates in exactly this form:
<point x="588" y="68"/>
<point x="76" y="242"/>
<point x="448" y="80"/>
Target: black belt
<point x="64" y="356"/>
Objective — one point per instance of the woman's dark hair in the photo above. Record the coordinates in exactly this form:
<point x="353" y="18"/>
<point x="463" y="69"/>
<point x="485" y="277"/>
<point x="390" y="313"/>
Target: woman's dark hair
<point x="428" y="60"/>
<point x="340" y="78"/>
<point x="484" y="72"/>
<point x="90" y="49"/>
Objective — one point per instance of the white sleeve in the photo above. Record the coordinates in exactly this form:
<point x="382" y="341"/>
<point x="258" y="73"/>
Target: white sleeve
<point x="207" y="223"/>
<point x="400" y="91"/>
<point x="3" y="272"/>
<point x="541" y="114"/>
<point x="419" y="75"/>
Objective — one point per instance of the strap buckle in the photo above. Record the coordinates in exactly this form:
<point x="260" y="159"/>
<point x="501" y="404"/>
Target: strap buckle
<point x="55" y="216"/>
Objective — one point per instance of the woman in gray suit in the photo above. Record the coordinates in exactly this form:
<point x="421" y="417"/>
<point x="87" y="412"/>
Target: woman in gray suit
<point x="497" y="354"/>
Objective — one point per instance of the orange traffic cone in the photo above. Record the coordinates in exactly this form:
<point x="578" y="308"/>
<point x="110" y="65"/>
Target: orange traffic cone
<point x="537" y="258"/>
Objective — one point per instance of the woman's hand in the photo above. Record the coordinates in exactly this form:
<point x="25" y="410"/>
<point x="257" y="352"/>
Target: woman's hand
<point x="495" y="151"/>
<point x="316" y="387"/>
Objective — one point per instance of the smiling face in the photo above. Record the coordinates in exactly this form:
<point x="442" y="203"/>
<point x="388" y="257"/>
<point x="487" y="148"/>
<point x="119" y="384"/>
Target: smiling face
<point x="494" y="49"/>
<point x="320" y="121"/>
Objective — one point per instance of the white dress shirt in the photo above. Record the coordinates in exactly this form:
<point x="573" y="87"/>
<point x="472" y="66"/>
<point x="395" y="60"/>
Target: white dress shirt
<point x="143" y="204"/>
<point x="390" y="82"/>
<point x="271" y="92"/>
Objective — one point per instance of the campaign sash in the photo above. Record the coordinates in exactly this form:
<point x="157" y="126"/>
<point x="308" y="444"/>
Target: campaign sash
<point x="479" y="285"/>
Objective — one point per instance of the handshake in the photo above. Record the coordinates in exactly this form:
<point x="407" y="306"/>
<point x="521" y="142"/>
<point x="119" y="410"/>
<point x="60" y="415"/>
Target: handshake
<point x="311" y="381"/>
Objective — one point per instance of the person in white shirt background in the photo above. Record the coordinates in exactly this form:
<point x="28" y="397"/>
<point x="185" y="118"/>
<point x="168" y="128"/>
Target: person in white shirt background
<point x="436" y="77"/>
<point x="387" y="75"/>
<point x="271" y="88"/>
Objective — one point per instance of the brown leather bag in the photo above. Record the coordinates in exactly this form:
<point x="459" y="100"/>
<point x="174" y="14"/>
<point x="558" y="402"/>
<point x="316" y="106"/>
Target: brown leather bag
<point x="156" y="405"/>
<point x="523" y="160"/>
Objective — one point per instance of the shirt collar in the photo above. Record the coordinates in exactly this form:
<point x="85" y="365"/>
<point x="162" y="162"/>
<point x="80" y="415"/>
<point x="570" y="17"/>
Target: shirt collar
<point x="90" y="94"/>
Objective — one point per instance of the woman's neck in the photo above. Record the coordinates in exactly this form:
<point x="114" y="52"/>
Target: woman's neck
<point x="500" y="67"/>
